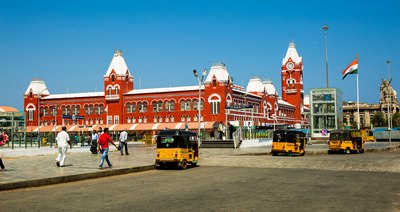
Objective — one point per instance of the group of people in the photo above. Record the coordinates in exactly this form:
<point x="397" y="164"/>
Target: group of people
<point x="222" y="131"/>
<point x="100" y="143"/>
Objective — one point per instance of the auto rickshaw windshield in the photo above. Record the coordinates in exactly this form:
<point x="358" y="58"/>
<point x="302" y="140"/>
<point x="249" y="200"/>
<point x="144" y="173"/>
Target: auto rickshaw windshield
<point x="167" y="142"/>
<point x="335" y="136"/>
<point x="171" y="142"/>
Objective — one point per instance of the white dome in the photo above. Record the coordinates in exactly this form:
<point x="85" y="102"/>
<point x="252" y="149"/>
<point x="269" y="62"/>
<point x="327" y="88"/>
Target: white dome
<point x="220" y="72"/>
<point x="291" y="53"/>
<point x="255" y="85"/>
<point x="118" y="65"/>
<point x="269" y="87"/>
<point x="37" y="86"/>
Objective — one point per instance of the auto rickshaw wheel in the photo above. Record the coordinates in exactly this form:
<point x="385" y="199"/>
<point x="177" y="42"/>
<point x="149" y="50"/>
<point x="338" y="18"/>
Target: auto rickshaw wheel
<point x="184" y="164"/>
<point x="193" y="164"/>
<point x="361" y="151"/>
<point x="347" y="151"/>
<point x="302" y="154"/>
<point x="273" y="153"/>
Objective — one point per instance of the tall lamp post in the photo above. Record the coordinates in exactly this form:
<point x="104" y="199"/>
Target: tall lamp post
<point x="40" y="93"/>
<point x="389" y="105"/>
<point x="325" y="28"/>
<point x="200" y="80"/>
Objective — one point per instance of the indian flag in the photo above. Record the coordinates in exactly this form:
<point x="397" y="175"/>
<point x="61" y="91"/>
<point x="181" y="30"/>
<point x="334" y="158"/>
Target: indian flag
<point x="351" y="69"/>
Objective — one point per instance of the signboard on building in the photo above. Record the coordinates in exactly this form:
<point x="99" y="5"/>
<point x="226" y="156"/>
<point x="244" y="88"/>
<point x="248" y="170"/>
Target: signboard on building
<point x="74" y="117"/>
<point x="239" y="107"/>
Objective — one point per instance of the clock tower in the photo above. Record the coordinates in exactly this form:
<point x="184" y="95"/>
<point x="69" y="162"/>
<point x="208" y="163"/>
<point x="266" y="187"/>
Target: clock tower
<point x="292" y="81"/>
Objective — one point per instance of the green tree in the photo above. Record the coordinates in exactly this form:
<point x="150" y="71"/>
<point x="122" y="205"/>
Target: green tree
<point x="378" y="120"/>
<point x="396" y="119"/>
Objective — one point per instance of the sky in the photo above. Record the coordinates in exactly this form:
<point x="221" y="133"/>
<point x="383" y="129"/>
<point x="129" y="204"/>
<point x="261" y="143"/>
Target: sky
<point x="70" y="44"/>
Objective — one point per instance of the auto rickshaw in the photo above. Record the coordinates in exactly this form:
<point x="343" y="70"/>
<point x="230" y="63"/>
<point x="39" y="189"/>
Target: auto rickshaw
<point x="346" y="141"/>
<point x="288" y="142"/>
<point x="177" y="148"/>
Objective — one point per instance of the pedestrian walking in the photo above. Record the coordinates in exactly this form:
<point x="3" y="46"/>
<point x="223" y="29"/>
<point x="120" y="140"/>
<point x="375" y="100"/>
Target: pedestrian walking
<point x="3" y="141"/>
<point x="123" y="137"/>
<point x="95" y="139"/>
<point x="76" y="139"/>
<point x="62" y="146"/>
<point x="231" y="129"/>
<point x="103" y="146"/>
<point x="221" y="129"/>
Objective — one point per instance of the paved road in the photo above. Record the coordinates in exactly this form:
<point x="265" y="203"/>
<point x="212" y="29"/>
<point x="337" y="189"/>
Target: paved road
<point x="231" y="182"/>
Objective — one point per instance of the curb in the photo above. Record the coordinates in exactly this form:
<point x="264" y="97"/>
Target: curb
<point x="321" y="152"/>
<point x="383" y="149"/>
<point x="72" y="178"/>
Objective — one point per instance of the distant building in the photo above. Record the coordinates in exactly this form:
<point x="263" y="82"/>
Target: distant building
<point x="122" y="106"/>
<point x="326" y="111"/>
<point x="367" y="111"/>
<point x="11" y="119"/>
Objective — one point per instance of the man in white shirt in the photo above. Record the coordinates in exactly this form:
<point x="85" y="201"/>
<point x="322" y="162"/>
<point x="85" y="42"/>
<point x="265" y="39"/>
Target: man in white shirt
<point x="62" y="146"/>
<point x="95" y="138"/>
<point x="123" y="137"/>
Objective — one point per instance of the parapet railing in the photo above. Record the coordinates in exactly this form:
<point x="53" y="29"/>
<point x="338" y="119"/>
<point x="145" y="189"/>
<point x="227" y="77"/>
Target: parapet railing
<point x="246" y="133"/>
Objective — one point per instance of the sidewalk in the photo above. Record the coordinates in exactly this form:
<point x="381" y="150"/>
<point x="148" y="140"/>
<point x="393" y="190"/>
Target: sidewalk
<point x="36" y="167"/>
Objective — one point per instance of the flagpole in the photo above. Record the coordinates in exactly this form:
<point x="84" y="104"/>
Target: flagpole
<point x="358" y="106"/>
<point x="358" y="100"/>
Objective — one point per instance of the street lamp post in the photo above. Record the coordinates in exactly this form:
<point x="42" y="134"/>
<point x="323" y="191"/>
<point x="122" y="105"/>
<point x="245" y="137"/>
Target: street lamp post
<point x="40" y="93"/>
<point x="325" y="28"/>
<point x="200" y="80"/>
<point x="389" y="105"/>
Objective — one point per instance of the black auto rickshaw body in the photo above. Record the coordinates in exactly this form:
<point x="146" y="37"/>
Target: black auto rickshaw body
<point x="288" y="142"/>
<point x="177" y="148"/>
<point x="346" y="141"/>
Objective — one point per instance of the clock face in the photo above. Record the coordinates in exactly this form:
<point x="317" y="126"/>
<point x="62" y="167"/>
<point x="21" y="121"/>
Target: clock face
<point x="289" y="65"/>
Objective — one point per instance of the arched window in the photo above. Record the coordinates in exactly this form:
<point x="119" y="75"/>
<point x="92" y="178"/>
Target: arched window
<point x="128" y="108"/>
<point x="159" y="106"/>
<point x="109" y="90"/>
<point x="172" y="106"/>
<point x="86" y="108"/>
<point x="155" y="107"/>
<point x="140" y="107"/>
<point x="45" y="111"/>
<point x="214" y="83"/>
<point x="133" y="107"/>
<point x="166" y="106"/>
<point x="145" y="107"/>
<point x="75" y="109"/>
<point x="182" y="105"/>
<point x="187" y="106"/>
<point x="112" y="78"/>
<point x="215" y="107"/>
<point x="116" y="91"/>
<point x="91" y="109"/>
<point x="195" y="104"/>
<point x="101" y="109"/>
<point x="66" y="110"/>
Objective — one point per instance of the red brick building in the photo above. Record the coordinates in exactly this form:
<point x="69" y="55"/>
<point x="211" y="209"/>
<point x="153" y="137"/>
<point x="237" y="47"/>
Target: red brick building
<point x="122" y="106"/>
